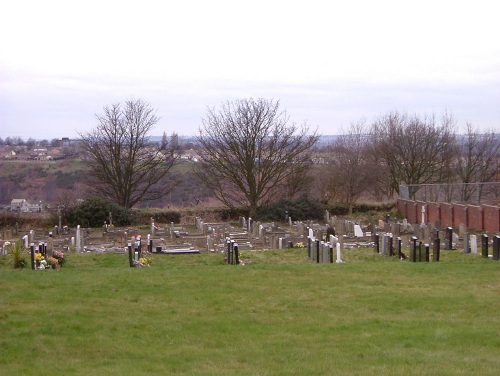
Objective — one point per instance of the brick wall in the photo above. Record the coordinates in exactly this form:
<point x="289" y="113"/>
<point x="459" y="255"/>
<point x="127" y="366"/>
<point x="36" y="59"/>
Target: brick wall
<point x="460" y="215"/>
<point x="480" y="218"/>
<point x="446" y="215"/>
<point x="475" y="217"/>
<point x="433" y="212"/>
<point x="411" y="212"/>
<point x="491" y="215"/>
<point x="402" y="208"/>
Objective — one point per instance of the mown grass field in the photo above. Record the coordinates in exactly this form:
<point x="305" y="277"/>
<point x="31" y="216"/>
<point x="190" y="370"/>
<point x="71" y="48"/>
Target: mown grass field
<point x="279" y="314"/>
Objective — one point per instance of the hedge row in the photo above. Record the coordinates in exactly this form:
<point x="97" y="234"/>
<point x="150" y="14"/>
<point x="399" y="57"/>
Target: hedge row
<point x="94" y="212"/>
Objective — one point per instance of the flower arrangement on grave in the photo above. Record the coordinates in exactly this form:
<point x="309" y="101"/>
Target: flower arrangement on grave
<point x="59" y="256"/>
<point x="299" y="245"/>
<point x="40" y="262"/>
<point x="53" y="263"/>
<point x="145" y="261"/>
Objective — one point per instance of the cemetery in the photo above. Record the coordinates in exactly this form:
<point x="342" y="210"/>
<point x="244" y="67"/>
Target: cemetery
<point x="385" y="296"/>
<point x="324" y="242"/>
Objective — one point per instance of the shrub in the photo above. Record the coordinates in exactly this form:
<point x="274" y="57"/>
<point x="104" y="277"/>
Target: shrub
<point x="93" y="212"/>
<point x="15" y="251"/>
<point x="302" y="209"/>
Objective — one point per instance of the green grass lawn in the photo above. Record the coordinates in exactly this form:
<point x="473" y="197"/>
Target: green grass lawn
<point x="279" y="314"/>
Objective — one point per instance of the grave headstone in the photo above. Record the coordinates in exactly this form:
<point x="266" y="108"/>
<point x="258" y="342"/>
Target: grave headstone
<point x="436" y="249"/>
<point x="496" y="247"/>
<point x="32" y="251"/>
<point x="454" y="239"/>
<point x="448" y="238"/>
<point x="399" y="242"/>
<point x="473" y="244"/>
<point x="413" y="249"/>
<point x="78" y="239"/>
<point x="466" y="243"/>
<point x="339" y="256"/>
<point x="484" y="248"/>
<point x="358" y="232"/>
<point x="462" y="230"/>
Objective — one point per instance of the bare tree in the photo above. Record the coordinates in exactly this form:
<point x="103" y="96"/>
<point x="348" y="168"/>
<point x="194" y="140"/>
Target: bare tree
<point x="248" y="149"/>
<point x="414" y="150"/>
<point x="350" y="172"/>
<point x="477" y="161"/>
<point x="124" y="166"/>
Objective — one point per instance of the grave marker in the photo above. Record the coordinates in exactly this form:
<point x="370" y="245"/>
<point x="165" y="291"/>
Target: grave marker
<point x="485" y="245"/>
<point x="448" y="238"/>
<point x="436" y="249"/>
<point x="466" y="243"/>
<point x="339" y="258"/>
<point x="496" y="247"/>
<point x="358" y="232"/>
<point x="413" y="249"/>
<point x="473" y="244"/>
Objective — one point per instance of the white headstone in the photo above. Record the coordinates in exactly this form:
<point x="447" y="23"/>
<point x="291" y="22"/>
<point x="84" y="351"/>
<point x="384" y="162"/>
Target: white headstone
<point x="333" y="241"/>
<point x="311" y="233"/>
<point x="473" y="244"/>
<point x="78" y="238"/>
<point x="358" y="232"/>
<point x="25" y="241"/>
<point x="339" y="258"/>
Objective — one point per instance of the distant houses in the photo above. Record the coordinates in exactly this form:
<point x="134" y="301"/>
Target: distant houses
<point x="24" y="206"/>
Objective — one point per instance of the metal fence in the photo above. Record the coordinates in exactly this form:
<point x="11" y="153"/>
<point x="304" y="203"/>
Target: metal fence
<point x="481" y="193"/>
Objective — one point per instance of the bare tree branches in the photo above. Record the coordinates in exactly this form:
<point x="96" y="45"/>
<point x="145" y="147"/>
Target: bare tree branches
<point x="247" y="149"/>
<point x="477" y="161"/>
<point x="350" y="172"/>
<point x="124" y="166"/>
<point x="415" y="150"/>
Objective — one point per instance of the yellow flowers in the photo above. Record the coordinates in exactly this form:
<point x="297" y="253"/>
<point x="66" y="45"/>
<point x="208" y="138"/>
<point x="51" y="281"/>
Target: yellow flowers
<point x="38" y="257"/>
<point x="145" y="261"/>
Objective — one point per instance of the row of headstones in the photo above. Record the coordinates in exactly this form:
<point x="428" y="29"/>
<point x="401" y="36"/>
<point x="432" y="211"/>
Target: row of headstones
<point x="76" y="242"/>
<point x="419" y="250"/>
<point x="470" y="245"/>
<point x="320" y="251"/>
<point x="387" y="245"/>
<point x="232" y="252"/>
<point x="135" y="251"/>
<point x="172" y="230"/>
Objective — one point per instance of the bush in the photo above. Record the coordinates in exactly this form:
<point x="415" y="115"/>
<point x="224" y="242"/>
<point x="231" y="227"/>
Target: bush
<point x="305" y="208"/>
<point x="143" y="216"/>
<point x="93" y="212"/>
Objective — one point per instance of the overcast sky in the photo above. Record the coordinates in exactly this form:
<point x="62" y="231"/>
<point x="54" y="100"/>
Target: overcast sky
<point x="330" y="63"/>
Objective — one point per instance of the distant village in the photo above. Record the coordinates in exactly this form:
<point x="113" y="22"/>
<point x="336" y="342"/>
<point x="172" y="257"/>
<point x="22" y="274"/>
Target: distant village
<point x="40" y="151"/>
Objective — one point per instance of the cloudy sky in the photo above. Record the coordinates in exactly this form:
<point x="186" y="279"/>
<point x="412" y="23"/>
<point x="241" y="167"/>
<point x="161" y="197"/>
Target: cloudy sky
<point x="330" y="63"/>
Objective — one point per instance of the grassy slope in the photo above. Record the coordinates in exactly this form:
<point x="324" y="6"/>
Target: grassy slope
<point x="278" y="314"/>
